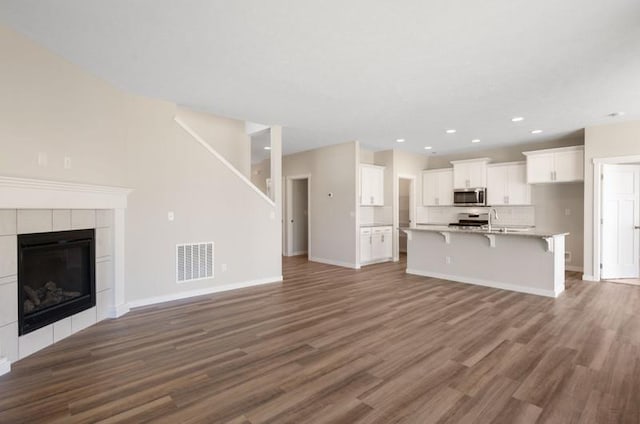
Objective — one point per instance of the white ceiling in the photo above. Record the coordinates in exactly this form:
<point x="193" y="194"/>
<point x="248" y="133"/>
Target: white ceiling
<point x="372" y="70"/>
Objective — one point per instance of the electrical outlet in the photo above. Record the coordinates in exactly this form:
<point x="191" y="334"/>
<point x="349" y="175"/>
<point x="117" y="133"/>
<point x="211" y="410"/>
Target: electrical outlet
<point x="171" y="216"/>
<point x="567" y="212"/>
<point x="67" y="162"/>
<point x="224" y="267"/>
<point x="448" y="260"/>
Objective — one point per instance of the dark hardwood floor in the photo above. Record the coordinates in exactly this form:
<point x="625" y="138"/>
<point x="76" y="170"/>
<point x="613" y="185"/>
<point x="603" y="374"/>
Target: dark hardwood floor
<point x="338" y="345"/>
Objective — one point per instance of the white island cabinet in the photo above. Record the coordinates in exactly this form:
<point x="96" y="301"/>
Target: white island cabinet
<point x="528" y="262"/>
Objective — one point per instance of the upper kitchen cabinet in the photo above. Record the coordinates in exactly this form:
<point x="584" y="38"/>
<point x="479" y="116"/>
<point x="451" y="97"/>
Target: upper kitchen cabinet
<point x="371" y="185"/>
<point x="470" y="173"/>
<point x="437" y="187"/>
<point x="564" y="164"/>
<point x="507" y="184"/>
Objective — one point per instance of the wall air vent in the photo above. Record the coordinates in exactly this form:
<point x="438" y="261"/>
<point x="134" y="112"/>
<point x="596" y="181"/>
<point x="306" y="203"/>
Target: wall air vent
<point x="194" y="261"/>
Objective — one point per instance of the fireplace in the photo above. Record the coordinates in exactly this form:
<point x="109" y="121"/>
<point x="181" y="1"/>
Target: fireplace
<point x="56" y="277"/>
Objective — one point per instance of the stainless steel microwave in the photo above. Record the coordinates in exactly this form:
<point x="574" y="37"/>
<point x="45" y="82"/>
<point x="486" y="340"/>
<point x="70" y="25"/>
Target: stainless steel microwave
<point x="470" y="196"/>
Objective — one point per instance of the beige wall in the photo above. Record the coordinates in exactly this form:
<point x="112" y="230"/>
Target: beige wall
<point x="333" y="223"/>
<point x="228" y="136"/>
<point x="114" y="138"/>
<point x="50" y="106"/>
<point x="603" y="141"/>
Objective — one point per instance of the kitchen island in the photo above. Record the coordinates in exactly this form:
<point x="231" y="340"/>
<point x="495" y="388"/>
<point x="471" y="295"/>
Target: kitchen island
<point x="524" y="261"/>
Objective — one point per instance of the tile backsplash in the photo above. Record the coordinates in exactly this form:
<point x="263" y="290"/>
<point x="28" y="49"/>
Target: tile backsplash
<point x="507" y="215"/>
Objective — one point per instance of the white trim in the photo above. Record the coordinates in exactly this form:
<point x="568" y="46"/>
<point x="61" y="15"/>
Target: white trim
<point x="333" y="262"/>
<point x="5" y="366"/>
<point x="27" y="193"/>
<point x="413" y="211"/>
<point x="453" y="162"/>
<point x="573" y="268"/>
<point x="201" y="292"/>
<point x="517" y="162"/>
<point x="557" y="149"/>
<point x="225" y="162"/>
<point x="485" y="283"/>
<point x="118" y="311"/>
<point x="289" y="209"/>
<point x="597" y="208"/>
<point x="378" y="261"/>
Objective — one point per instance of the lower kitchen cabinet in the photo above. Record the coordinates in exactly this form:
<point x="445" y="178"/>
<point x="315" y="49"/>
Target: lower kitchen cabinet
<point x="376" y="244"/>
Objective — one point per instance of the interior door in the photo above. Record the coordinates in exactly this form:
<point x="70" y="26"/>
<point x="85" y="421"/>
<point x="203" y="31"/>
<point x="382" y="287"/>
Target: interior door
<point x="620" y="221"/>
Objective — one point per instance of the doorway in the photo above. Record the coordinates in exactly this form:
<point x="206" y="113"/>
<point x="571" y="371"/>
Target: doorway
<point x="298" y="215"/>
<point x="620" y="212"/>
<point x="405" y="212"/>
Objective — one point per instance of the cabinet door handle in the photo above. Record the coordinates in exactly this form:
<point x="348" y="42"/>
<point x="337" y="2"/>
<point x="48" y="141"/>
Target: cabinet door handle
<point x="437" y="201"/>
<point x="506" y="200"/>
<point x="383" y="238"/>
<point x="372" y="200"/>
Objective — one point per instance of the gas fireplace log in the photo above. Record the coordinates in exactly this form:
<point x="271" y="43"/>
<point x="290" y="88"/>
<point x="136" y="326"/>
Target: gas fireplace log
<point x="71" y="294"/>
<point x="50" y="285"/>
<point x="32" y="295"/>
<point x="28" y="306"/>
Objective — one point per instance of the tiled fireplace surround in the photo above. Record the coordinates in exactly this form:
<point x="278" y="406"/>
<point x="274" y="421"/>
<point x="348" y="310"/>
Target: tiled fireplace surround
<point x="35" y="206"/>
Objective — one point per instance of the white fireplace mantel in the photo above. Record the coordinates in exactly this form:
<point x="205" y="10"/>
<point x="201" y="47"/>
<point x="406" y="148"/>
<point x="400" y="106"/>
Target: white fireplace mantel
<point x="25" y="193"/>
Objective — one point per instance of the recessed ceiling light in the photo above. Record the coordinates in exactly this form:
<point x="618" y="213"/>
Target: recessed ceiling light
<point x="536" y="131"/>
<point x="400" y="140"/>
<point x="517" y="119"/>
<point x="475" y="140"/>
<point x="451" y="131"/>
<point x="615" y="114"/>
<point x="267" y="147"/>
<point x="428" y="147"/>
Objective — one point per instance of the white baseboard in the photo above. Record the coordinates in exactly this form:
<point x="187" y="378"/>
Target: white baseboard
<point x="118" y="311"/>
<point x="573" y="268"/>
<point x="485" y="283"/>
<point x="201" y="292"/>
<point x="5" y="366"/>
<point x="377" y="261"/>
<point x="332" y="262"/>
<point x="586" y="277"/>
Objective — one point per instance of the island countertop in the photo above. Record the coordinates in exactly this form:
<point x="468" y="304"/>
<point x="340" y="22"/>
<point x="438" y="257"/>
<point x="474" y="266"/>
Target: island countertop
<point x="532" y="232"/>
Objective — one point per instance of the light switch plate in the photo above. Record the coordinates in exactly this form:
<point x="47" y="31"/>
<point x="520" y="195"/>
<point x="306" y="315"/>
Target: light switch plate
<point x="42" y="159"/>
<point x="170" y="216"/>
<point x="67" y="162"/>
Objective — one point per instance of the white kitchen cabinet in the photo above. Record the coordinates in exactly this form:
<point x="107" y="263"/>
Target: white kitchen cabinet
<point x="376" y="244"/>
<point x="470" y="173"/>
<point x="437" y="187"/>
<point x="365" y="245"/>
<point x="507" y="184"/>
<point x="371" y="185"/>
<point x="565" y="164"/>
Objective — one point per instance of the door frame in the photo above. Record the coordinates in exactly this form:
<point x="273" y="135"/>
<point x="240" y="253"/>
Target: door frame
<point x="412" y="210"/>
<point x="597" y="208"/>
<point x="289" y="213"/>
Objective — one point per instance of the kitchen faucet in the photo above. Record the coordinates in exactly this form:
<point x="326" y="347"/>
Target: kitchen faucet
<point x="494" y="212"/>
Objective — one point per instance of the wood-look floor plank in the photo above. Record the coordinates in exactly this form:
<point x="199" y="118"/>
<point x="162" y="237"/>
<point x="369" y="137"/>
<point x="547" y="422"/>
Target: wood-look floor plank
<point x="334" y="345"/>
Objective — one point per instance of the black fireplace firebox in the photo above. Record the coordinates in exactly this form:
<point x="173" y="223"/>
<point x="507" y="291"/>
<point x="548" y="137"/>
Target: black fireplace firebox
<point x="56" y="277"/>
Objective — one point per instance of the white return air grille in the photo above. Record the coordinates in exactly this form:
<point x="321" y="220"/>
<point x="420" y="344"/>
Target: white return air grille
<point x="194" y="261"/>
